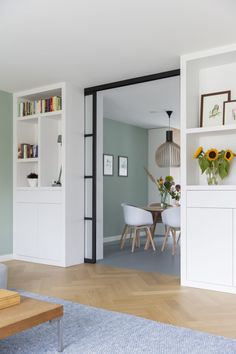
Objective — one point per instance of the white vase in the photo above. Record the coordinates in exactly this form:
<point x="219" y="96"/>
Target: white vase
<point x="33" y="182"/>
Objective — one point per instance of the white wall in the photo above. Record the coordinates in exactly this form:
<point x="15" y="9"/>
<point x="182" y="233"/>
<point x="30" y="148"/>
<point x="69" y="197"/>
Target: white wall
<point x="175" y="171"/>
<point x="156" y="137"/>
<point x="99" y="175"/>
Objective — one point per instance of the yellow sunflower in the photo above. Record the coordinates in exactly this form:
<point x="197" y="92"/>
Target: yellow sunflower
<point x="198" y="152"/>
<point x="228" y="155"/>
<point x="212" y="154"/>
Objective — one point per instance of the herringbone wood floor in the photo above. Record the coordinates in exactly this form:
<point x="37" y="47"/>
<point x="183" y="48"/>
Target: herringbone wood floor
<point x="149" y="295"/>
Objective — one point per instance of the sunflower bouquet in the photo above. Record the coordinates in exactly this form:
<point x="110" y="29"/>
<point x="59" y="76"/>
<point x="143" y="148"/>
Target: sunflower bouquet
<point x="214" y="163"/>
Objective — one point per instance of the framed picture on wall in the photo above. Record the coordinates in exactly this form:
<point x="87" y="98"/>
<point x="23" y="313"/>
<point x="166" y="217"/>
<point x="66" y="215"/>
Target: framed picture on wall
<point x="212" y="107"/>
<point x="230" y="112"/>
<point x="122" y="166"/>
<point x="108" y="165"/>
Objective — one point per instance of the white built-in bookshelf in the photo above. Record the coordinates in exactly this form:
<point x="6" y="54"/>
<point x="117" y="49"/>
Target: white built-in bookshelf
<point x="48" y="138"/>
<point x="208" y="213"/>
<point x="38" y="133"/>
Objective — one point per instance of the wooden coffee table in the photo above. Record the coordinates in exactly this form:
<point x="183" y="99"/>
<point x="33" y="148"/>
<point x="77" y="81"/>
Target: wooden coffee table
<point x="30" y="313"/>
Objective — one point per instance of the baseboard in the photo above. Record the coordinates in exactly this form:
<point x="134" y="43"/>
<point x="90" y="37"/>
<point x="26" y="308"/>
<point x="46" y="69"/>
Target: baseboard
<point x="6" y="257"/>
<point x="117" y="237"/>
<point x="111" y="238"/>
<point x="39" y="260"/>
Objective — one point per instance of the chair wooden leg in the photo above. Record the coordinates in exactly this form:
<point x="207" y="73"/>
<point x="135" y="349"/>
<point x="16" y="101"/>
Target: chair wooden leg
<point x="122" y="234"/>
<point x="174" y="241"/>
<point x="138" y="239"/>
<point x="165" y="238"/>
<point x="178" y="237"/>
<point x="134" y="239"/>
<point x="150" y="238"/>
<point x="130" y="234"/>
<point x="147" y="244"/>
<point x="123" y="237"/>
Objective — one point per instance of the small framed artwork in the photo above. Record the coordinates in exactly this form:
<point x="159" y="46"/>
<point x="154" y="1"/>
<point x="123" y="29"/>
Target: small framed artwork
<point x="122" y="166"/>
<point x="212" y="106"/>
<point x="229" y="112"/>
<point x="108" y="165"/>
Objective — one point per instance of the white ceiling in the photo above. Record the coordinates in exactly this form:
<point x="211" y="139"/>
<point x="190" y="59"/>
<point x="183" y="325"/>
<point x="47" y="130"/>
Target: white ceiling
<point x="90" y="42"/>
<point x="144" y="105"/>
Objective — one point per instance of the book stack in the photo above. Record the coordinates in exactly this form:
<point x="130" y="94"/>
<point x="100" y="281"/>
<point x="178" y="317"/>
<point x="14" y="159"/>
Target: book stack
<point x="51" y="104"/>
<point x="8" y="298"/>
<point x="26" y="151"/>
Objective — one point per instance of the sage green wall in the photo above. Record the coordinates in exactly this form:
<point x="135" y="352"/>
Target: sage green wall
<point x="125" y="140"/>
<point x="6" y="173"/>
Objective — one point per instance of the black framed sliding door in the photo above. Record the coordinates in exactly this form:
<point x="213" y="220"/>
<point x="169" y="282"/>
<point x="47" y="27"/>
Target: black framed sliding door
<point x="90" y="139"/>
<point x="91" y="114"/>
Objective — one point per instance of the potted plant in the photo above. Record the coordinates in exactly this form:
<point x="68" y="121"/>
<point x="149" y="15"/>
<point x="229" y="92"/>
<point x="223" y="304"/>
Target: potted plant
<point x="32" y="179"/>
<point x="166" y="187"/>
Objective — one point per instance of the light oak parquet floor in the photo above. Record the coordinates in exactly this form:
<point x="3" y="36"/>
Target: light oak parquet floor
<point x="150" y="295"/>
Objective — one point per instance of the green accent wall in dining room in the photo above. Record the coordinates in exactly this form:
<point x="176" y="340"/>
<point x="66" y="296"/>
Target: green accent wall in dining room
<point x="6" y="173"/>
<point x="131" y="141"/>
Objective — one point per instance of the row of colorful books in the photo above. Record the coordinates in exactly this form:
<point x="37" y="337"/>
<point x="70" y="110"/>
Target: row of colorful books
<point x="26" y="151"/>
<point x="51" y="104"/>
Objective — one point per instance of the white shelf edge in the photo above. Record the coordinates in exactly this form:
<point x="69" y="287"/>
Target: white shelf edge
<point x="33" y="117"/>
<point x="210" y="188"/>
<point x="39" y="115"/>
<point x="219" y="128"/>
<point x="39" y="189"/>
<point x="29" y="159"/>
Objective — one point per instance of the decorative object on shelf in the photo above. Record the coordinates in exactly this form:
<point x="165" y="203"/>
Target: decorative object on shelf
<point x="168" y="154"/>
<point x="58" y="182"/>
<point x="108" y="165"/>
<point x="229" y="116"/>
<point x="212" y="106"/>
<point x="122" y="166"/>
<point x="166" y="187"/>
<point x="32" y="179"/>
<point x="214" y="163"/>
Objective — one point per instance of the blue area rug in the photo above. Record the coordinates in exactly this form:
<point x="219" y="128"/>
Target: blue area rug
<point x="146" y="261"/>
<point x="89" y="330"/>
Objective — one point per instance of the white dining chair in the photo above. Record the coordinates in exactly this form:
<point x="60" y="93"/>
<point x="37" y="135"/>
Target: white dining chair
<point x="171" y="220"/>
<point x="137" y="219"/>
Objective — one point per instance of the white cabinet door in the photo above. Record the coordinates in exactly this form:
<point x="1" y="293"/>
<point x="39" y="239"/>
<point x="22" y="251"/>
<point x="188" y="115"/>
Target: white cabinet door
<point x="25" y="230"/>
<point x="209" y="245"/>
<point x="234" y="247"/>
<point x="51" y="244"/>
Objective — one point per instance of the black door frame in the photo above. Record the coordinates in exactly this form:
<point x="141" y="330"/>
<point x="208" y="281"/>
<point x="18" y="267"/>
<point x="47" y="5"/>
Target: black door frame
<point x="93" y="91"/>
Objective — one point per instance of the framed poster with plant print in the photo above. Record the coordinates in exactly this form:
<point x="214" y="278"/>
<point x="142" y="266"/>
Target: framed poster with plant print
<point x="230" y="112"/>
<point x="212" y="106"/>
<point x="108" y="165"/>
<point x="122" y="166"/>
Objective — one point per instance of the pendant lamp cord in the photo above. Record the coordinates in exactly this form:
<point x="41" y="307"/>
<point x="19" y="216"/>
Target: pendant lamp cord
<point x="169" y="114"/>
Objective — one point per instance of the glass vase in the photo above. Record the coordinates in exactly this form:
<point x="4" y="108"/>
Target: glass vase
<point x="212" y="176"/>
<point x="164" y="199"/>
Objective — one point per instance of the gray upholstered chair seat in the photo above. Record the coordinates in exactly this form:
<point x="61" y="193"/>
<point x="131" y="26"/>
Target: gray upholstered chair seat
<point x="3" y="276"/>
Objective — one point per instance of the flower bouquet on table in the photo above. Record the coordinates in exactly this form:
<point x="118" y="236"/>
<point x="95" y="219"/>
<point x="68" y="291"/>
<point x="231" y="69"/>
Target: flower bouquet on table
<point x="214" y="163"/>
<point x="166" y="186"/>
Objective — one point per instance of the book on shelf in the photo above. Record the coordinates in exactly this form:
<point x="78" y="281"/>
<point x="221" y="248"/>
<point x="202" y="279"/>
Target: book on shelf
<point x="26" y="151"/>
<point x="50" y="104"/>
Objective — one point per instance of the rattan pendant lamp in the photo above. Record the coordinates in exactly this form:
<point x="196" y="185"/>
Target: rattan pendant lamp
<point x="168" y="154"/>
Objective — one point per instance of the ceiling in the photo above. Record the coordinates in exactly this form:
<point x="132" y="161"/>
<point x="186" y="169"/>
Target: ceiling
<point x="144" y="105"/>
<point x="90" y="42"/>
